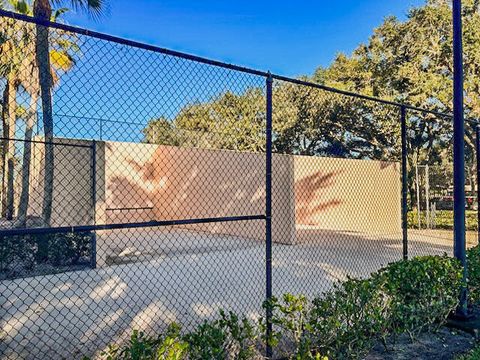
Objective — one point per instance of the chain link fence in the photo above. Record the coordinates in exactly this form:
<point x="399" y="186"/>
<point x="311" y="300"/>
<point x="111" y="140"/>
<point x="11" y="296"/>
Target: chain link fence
<point x="141" y="186"/>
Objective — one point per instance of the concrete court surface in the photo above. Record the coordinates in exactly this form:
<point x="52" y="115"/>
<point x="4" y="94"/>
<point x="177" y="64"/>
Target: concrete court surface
<point x="77" y="313"/>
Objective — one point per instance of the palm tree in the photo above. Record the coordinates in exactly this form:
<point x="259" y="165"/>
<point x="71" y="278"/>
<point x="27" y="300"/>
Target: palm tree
<point x="9" y="125"/>
<point x="12" y="40"/>
<point x="42" y="9"/>
<point x="60" y="59"/>
<point x="18" y="67"/>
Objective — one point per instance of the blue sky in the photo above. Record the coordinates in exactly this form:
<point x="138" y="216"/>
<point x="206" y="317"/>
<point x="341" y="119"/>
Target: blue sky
<point x="114" y="90"/>
<point x="286" y="37"/>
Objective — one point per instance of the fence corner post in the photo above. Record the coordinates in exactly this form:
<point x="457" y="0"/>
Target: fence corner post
<point x="268" y="211"/>
<point x="459" y="247"/>
<point x="403" y="121"/>
<point x="477" y="157"/>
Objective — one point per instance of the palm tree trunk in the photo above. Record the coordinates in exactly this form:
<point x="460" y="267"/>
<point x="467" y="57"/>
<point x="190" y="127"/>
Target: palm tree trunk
<point x="9" y="117"/>
<point x="43" y="10"/>
<point x="27" y="156"/>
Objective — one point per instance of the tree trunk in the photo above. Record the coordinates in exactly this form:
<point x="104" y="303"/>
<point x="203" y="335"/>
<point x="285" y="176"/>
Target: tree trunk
<point x="43" y="10"/>
<point x="417" y="179"/>
<point x="9" y="117"/>
<point x="427" y="195"/>
<point x="27" y="157"/>
<point x="473" y="177"/>
<point x="4" y="149"/>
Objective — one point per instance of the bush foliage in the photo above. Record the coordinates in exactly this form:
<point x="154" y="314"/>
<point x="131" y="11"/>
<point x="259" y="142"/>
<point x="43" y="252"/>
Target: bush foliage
<point x="443" y="220"/>
<point x="22" y="255"/>
<point x="404" y="297"/>
<point x="473" y="261"/>
<point x="423" y="291"/>
<point x="228" y="337"/>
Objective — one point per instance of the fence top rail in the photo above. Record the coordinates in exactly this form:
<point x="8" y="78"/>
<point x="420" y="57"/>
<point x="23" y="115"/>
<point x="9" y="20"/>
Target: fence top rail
<point x="361" y="96"/>
<point x="199" y="59"/>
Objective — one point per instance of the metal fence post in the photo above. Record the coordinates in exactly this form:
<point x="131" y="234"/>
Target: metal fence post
<point x="93" y="251"/>
<point x="403" y="116"/>
<point x="268" y="211"/>
<point x="477" y="155"/>
<point x="459" y="152"/>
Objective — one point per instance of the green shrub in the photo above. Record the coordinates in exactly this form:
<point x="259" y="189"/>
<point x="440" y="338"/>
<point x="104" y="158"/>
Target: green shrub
<point x="13" y="249"/>
<point x="242" y="336"/>
<point x="404" y="297"/>
<point x="20" y="255"/>
<point x="473" y="354"/>
<point x="345" y="322"/>
<point x="143" y="347"/>
<point x="207" y="341"/>
<point x="228" y="337"/>
<point x="139" y="347"/>
<point x="69" y="249"/>
<point x="423" y="292"/>
<point x="172" y="346"/>
<point x="473" y="261"/>
<point x="291" y="328"/>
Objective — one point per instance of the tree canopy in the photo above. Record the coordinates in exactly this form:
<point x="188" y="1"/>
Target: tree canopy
<point x="411" y="61"/>
<point x="406" y="61"/>
<point x="306" y="121"/>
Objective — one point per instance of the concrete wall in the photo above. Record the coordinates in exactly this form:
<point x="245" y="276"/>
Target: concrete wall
<point x="72" y="196"/>
<point x="181" y="183"/>
<point x="167" y="183"/>
<point x="347" y="194"/>
<point x="170" y="183"/>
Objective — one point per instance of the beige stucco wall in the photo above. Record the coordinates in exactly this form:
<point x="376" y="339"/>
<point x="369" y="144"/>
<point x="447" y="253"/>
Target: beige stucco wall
<point x="182" y="183"/>
<point x="172" y="183"/>
<point x="347" y="194"/>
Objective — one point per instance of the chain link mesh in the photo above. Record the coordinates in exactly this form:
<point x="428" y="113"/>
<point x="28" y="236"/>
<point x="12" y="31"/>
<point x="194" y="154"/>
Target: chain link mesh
<point x="341" y="156"/>
<point x="140" y="198"/>
<point x="139" y="137"/>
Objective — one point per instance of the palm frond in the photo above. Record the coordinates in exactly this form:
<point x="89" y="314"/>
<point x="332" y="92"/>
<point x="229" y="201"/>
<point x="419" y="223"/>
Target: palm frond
<point x="94" y="8"/>
<point x="20" y="111"/>
<point x="18" y="6"/>
<point x="61" y="60"/>
<point x="58" y="13"/>
<point x="67" y="44"/>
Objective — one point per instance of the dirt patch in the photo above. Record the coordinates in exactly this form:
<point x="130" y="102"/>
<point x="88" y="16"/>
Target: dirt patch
<point x="446" y="344"/>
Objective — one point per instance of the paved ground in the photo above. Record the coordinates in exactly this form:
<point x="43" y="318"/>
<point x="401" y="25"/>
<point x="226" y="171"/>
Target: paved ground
<point x="75" y="313"/>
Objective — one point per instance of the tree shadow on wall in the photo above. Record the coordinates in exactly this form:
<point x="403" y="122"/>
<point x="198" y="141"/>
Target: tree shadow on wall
<point x="308" y="194"/>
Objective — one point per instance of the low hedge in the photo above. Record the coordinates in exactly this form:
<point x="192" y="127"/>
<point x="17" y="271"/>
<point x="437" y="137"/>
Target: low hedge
<point x="443" y="220"/>
<point x="404" y="297"/>
<point x="227" y="337"/>
<point x="22" y="256"/>
<point x="473" y="262"/>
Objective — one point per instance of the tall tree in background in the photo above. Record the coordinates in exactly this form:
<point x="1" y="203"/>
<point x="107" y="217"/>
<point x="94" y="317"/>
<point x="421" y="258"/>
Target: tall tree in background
<point x="306" y="121"/>
<point x="42" y="9"/>
<point x="19" y="61"/>
<point x="411" y="61"/>
<point x="229" y="121"/>
<point x="405" y="61"/>
<point x="14" y="37"/>
<point x="62" y="58"/>
<point x="311" y="121"/>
